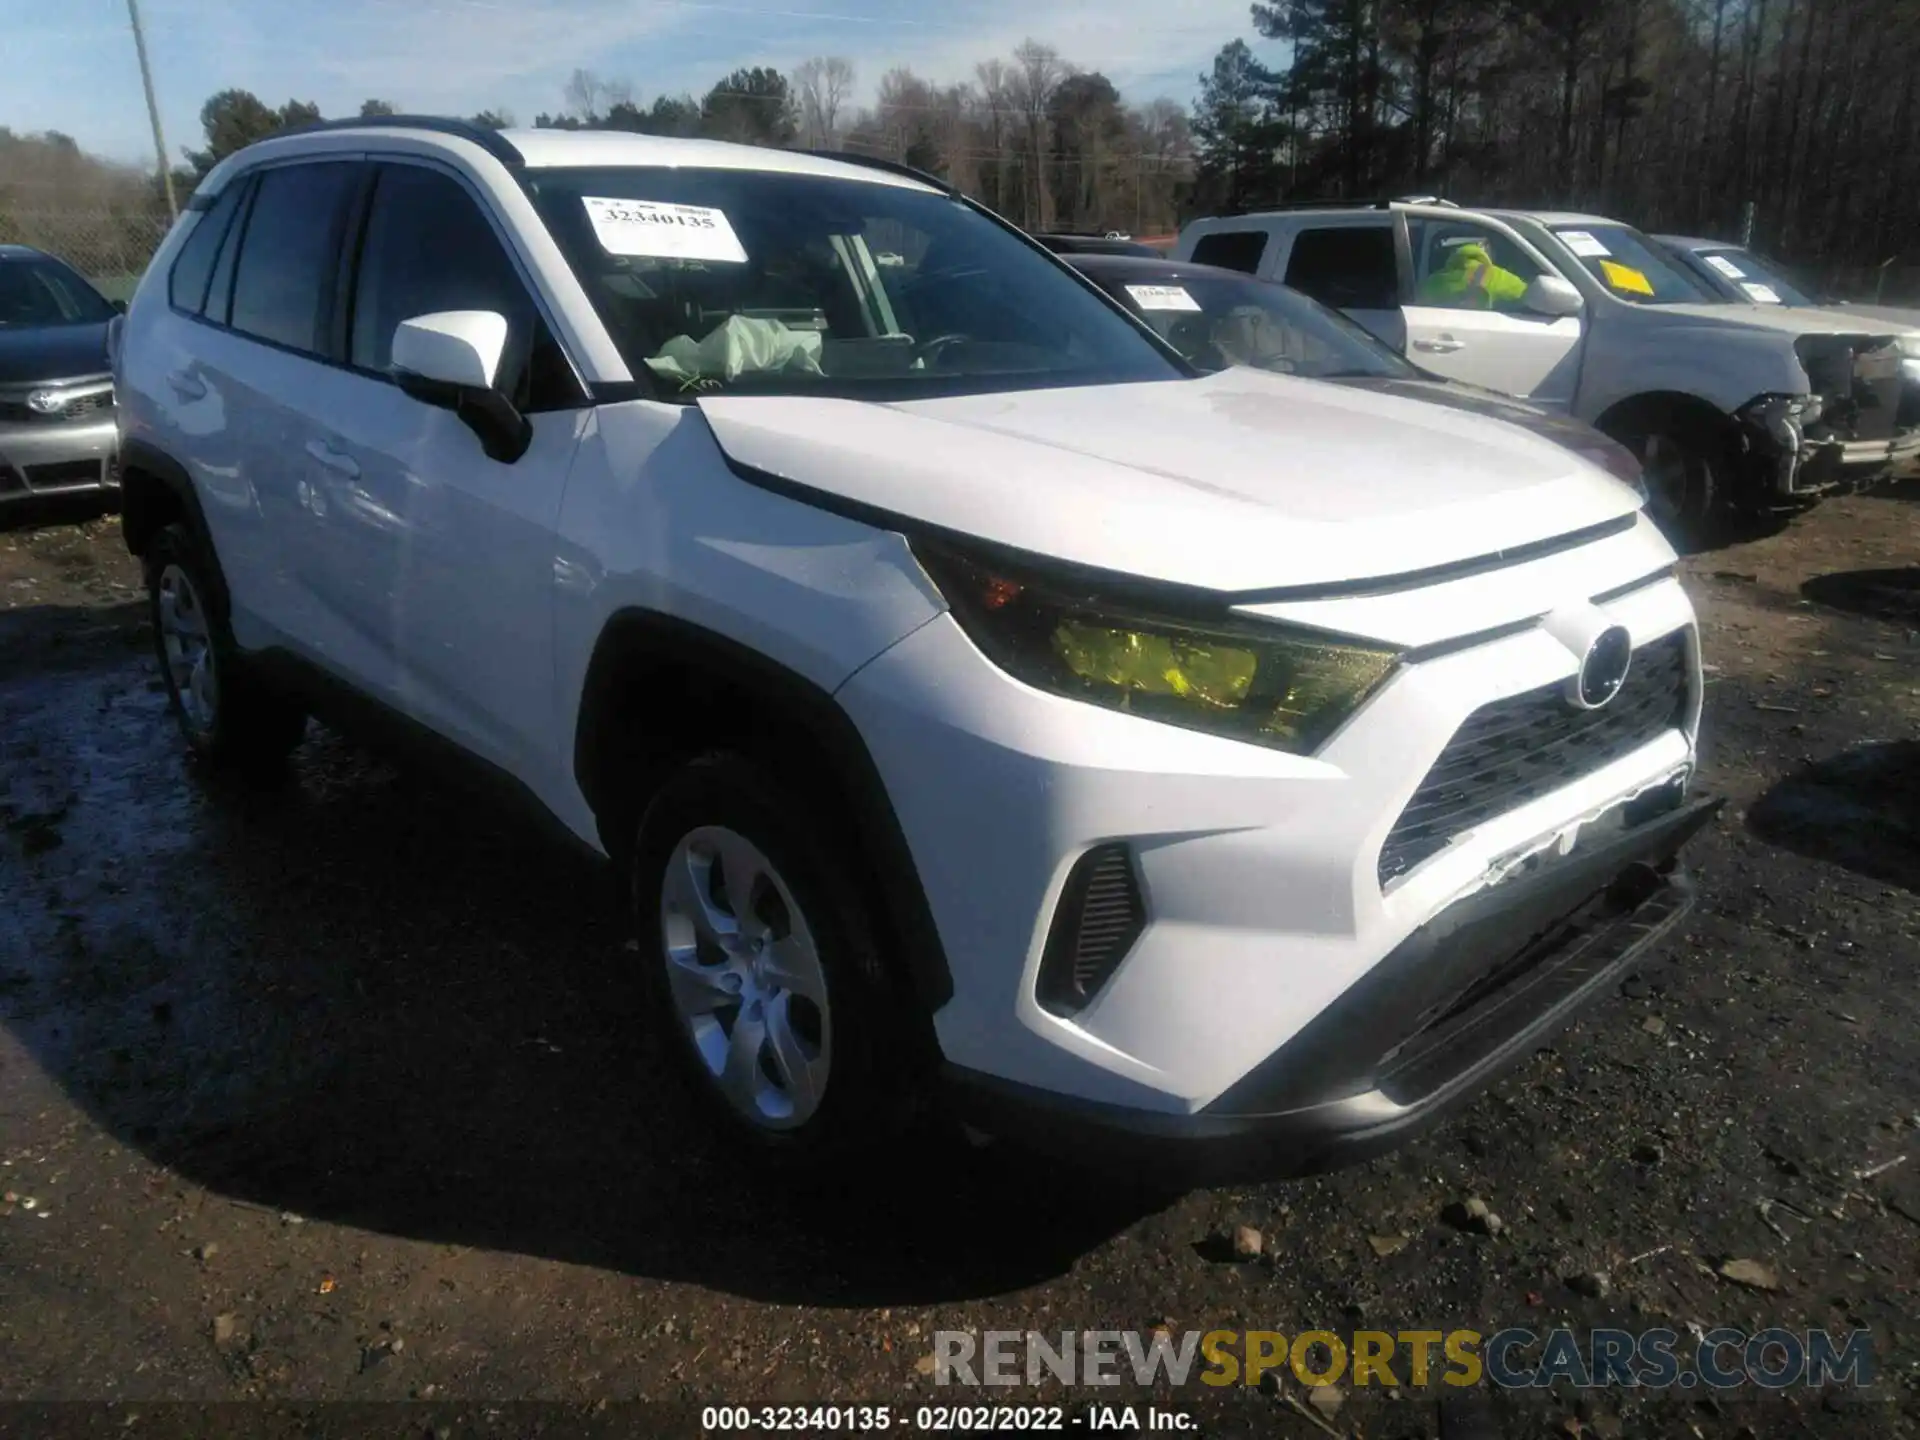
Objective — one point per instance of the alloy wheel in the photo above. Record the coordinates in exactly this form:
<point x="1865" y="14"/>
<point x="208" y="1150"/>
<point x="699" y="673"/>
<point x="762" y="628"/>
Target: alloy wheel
<point x="744" y="971"/>
<point x="187" y="642"/>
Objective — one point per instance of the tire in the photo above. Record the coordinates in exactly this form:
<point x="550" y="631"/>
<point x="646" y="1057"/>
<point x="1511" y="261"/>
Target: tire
<point x="1687" y="468"/>
<point x="228" y="718"/>
<point x="802" y="1049"/>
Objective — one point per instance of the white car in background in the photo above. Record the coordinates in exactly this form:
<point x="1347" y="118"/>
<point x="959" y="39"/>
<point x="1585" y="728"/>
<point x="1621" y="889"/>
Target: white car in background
<point x="1747" y="408"/>
<point x="1225" y="774"/>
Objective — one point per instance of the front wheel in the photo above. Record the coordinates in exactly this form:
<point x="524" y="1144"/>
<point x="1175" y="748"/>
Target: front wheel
<point x="1685" y="466"/>
<point x="764" y="979"/>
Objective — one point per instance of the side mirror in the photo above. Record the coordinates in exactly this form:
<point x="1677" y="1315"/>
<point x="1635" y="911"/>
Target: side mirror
<point x="1550" y="295"/>
<point x="450" y="359"/>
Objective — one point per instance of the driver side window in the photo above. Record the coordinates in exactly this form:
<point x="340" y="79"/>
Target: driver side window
<point x="427" y="248"/>
<point x="1458" y="265"/>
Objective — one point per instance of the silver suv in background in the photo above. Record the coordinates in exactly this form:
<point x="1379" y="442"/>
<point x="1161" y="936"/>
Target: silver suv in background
<point x="1733" y="409"/>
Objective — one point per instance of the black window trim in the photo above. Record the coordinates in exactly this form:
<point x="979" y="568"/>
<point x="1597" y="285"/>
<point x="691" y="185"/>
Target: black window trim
<point x="352" y="250"/>
<point x="1395" y="225"/>
<point x="237" y="188"/>
<point x="244" y="221"/>
<point x="345" y="270"/>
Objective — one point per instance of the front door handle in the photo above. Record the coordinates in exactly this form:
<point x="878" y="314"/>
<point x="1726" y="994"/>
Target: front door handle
<point x="334" y="460"/>
<point x="187" y="385"/>
<point x="1440" y="345"/>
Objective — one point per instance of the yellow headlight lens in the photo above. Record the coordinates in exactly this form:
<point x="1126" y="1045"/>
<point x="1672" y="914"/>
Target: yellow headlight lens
<point x="1264" y="684"/>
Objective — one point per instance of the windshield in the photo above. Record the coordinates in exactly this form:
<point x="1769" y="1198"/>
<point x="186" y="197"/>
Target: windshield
<point x="1222" y="320"/>
<point x="1631" y="266"/>
<point x="1763" y="281"/>
<point x="762" y="282"/>
<point x="36" y="293"/>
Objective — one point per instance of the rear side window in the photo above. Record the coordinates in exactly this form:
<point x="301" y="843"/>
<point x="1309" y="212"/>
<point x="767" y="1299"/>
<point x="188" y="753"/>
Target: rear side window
<point x="1232" y="250"/>
<point x="1351" y="267"/>
<point x="187" y="284"/>
<point x="283" y="279"/>
<point x="220" y="289"/>
<point x="428" y="248"/>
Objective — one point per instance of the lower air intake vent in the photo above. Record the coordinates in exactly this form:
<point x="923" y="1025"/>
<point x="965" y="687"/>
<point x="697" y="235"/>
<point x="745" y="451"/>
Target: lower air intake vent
<point x="1101" y="914"/>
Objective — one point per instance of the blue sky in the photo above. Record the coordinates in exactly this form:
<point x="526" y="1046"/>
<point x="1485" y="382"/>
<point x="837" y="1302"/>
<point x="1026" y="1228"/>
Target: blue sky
<point x="70" y="66"/>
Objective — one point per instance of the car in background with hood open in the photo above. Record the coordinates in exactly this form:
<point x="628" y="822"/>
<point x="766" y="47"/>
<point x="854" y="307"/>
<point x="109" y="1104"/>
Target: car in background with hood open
<point x="1217" y="318"/>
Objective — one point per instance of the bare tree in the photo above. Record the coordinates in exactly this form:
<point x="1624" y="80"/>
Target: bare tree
<point x="994" y="104"/>
<point x="823" y="86"/>
<point x="1036" y="74"/>
<point x="585" y="94"/>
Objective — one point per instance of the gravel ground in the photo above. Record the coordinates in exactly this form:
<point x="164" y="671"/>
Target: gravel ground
<point x="333" y="1095"/>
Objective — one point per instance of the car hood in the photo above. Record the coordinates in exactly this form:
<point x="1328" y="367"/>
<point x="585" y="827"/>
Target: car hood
<point x="1234" y="482"/>
<point x="1785" y="319"/>
<point x="1903" y="317"/>
<point x="1457" y="395"/>
<point x="29" y="355"/>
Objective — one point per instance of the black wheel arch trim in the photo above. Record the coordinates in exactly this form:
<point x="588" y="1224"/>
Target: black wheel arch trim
<point x="635" y="635"/>
<point x="139" y="522"/>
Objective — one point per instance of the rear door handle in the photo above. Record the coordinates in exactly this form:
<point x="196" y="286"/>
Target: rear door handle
<point x="334" y="460"/>
<point x="187" y="385"/>
<point x="1440" y="345"/>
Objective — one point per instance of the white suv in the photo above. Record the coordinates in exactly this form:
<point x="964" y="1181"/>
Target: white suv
<point x="1237" y="766"/>
<point x="1731" y="408"/>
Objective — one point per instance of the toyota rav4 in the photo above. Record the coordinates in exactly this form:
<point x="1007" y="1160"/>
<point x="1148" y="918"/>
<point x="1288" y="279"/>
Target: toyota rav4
<point x="1221" y="772"/>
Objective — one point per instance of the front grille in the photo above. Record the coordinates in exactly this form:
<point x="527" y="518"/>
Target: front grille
<point x="1528" y="745"/>
<point x="1101" y="914"/>
<point x="19" y="412"/>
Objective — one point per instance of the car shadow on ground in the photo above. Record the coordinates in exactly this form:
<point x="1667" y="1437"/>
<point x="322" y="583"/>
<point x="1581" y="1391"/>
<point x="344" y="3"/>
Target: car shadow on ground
<point x="1859" y="809"/>
<point x="1892" y="595"/>
<point x="364" y="998"/>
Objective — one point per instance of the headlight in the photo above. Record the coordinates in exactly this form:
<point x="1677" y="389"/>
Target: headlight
<point x="1259" y="683"/>
<point x="1909" y="344"/>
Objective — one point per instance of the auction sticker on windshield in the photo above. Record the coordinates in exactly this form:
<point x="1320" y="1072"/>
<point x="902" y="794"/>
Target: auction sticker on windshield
<point x="1761" y="294"/>
<point x="1162" y="297"/>
<point x="1725" y="266"/>
<point x="1583" y="244"/>
<point x="670" y="232"/>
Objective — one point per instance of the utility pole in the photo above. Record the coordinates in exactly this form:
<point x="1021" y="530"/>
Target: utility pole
<point x="153" y="109"/>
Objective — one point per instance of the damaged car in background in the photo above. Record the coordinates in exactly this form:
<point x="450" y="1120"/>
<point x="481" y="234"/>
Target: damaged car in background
<point x="1739" y="275"/>
<point x="1735" y="410"/>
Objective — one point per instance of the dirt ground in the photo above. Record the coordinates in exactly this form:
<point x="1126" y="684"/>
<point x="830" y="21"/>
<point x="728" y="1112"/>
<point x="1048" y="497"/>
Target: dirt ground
<point x="335" y="1095"/>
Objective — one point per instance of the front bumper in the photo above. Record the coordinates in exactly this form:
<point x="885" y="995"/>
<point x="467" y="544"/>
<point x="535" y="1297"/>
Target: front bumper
<point x="40" y="458"/>
<point x="1270" y="884"/>
<point x="1464" y="997"/>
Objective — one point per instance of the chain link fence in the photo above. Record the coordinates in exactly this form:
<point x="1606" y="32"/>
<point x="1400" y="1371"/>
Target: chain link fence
<point x="110" y="247"/>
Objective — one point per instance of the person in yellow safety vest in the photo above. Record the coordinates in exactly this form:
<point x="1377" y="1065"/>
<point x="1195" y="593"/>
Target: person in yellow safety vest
<point x="1471" y="281"/>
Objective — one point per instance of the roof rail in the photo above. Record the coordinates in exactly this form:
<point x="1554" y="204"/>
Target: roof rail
<point x="1386" y="203"/>
<point x="491" y="141"/>
<point x="896" y="167"/>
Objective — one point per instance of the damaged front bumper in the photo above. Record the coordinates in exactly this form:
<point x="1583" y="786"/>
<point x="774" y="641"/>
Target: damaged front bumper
<point x="1797" y="449"/>
<point x="1860" y="423"/>
<point x="1487" y="981"/>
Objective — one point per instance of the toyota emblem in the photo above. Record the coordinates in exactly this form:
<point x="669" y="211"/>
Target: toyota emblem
<point x="1603" y="669"/>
